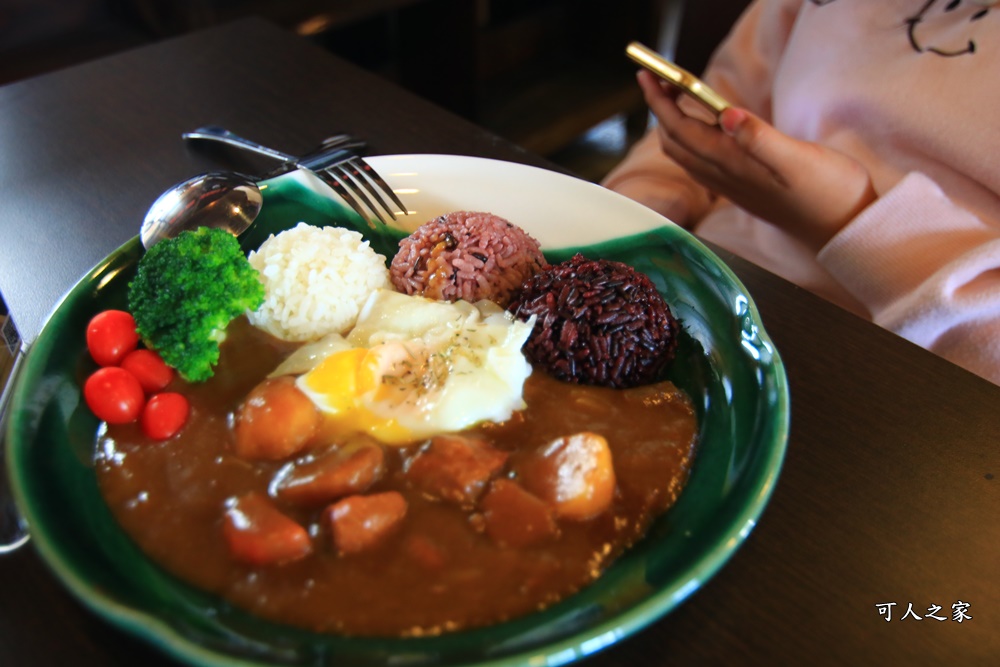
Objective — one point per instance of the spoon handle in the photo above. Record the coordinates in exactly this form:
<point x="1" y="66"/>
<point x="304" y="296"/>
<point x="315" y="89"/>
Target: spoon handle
<point x="331" y="150"/>
<point x="213" y="133"/>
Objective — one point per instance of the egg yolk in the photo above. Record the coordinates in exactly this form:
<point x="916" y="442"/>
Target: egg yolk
<point x="339" y="386"/>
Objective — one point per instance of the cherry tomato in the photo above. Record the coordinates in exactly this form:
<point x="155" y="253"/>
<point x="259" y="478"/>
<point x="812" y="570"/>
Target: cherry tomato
<point x="149" y="369"/>
<point x="110" y="336"/>
<point x="164" y="415"/>
<point x="114" y="395"/>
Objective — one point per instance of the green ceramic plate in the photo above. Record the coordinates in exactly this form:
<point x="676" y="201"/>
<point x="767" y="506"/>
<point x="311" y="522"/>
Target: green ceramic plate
<point x="726" y="363"/>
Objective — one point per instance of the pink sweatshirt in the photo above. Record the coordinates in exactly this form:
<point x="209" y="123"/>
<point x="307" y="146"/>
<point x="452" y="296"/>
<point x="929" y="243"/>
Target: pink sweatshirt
<point x="911" y="89"/>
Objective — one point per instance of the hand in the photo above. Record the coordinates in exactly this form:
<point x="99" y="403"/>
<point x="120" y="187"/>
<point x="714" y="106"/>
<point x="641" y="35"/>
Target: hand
<point x="678" y="198"/>
<point x="808" y="190"/>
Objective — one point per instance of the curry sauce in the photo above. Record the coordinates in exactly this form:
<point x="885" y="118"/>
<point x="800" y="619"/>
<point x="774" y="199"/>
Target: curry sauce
<point x="443" y="568"/>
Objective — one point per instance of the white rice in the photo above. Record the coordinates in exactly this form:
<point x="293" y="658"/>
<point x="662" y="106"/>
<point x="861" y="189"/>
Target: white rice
<point x="315" y="281"/>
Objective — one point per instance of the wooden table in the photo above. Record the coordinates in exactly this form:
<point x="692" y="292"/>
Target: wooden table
<point x="888" y="493"/>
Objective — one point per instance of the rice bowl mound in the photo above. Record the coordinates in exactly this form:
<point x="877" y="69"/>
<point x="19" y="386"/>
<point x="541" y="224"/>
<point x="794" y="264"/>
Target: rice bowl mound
<point x="316" y="279"/>
<point x="599" y="322"/>
<point x="466" y="255"/>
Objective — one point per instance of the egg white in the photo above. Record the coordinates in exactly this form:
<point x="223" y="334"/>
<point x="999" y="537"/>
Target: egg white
<point x="412" y="367"/>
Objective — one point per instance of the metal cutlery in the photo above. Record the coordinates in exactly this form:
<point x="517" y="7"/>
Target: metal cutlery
<point x="13" y="530"/>
<point x="335" y="162"/>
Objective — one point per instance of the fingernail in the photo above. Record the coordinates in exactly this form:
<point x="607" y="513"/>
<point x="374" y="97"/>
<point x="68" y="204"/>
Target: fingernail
<point x="731" y="119"/>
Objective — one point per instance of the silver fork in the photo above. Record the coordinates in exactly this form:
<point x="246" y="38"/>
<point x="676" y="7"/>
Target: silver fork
<point x="335" y="162"/>
<point x="356" y="176"/>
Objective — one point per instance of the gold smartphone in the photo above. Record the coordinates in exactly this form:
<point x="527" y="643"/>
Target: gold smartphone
<point x="677" y="76"/>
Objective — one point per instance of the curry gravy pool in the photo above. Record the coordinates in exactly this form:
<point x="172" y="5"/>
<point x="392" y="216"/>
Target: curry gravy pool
<point x="441" y="570"/>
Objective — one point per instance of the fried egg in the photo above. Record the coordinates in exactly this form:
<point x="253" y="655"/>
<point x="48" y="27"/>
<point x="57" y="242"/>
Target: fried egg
<point x="412" y="367"/>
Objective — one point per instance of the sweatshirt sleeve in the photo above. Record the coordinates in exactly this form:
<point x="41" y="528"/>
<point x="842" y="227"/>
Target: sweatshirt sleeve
<point x="742" y="70"/>
<point x="927" y="269"/>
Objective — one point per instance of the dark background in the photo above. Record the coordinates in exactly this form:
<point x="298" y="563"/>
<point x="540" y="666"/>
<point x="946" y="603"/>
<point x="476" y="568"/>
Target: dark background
<point x="548" y="75"/>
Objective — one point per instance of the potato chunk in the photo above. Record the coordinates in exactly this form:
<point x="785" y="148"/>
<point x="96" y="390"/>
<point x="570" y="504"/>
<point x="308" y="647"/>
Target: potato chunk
<point x="257" y="533"/>
<point x="455" y="468"/>
<point x="515" y="517"/>
<point x="336" y="473"/>
<point x="573" y="474"/>
<point x="275" y="421"/>
<point x="358" y="523"/>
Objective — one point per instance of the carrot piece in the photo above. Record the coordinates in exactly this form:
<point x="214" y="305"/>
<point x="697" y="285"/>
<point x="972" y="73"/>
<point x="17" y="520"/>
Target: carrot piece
<point x="514" y="517"/>
<point x="257" y="533"/>
<point x="455" y="468"/>
<point x="340" y="472"/>
<point x="573" y="474"/>
<point x="275" y="421"/>
<point x="360" y="522"/>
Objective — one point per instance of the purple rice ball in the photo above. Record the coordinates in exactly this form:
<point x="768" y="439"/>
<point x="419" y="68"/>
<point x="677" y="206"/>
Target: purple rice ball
<point x="599" y="323"/>
<point x="466" y="255"/>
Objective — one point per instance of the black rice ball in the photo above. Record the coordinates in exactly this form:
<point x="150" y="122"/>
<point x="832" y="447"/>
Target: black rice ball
<point x="599" y="322"/>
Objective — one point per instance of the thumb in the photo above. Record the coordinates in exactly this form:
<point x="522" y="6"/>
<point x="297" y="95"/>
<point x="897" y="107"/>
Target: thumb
<point x="758" y="138"/>
<point x="761" y="142"/>
<point x="749" y="131"/>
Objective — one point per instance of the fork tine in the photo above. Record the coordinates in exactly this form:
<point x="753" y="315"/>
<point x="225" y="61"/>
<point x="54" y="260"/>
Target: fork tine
<point x="350" y="168"/>
<point x="336" y="182"/>
<point x="343" y="178"/>
<point x="376" y="178"/>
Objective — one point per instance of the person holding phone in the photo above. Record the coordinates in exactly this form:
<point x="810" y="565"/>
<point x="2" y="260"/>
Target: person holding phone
<point x="858" y="159"/>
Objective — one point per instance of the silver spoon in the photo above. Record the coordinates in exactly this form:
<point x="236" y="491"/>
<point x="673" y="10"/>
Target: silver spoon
<point x="227" y="200"/>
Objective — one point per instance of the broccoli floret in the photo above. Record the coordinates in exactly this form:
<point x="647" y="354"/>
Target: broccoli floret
<point x="186" y="292"/>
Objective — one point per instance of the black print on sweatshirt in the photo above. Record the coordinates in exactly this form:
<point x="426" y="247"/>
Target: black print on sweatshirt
<point x="931" y="29"/>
